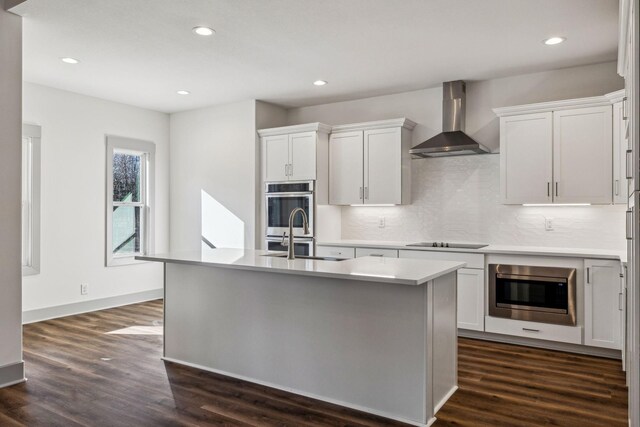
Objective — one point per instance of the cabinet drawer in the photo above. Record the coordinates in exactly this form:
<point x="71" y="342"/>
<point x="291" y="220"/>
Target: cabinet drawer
<point x="472" y="260"/>
<point x="541" y="331"/>
<point x="335" y="251"/>
<point x="388" y="253"/>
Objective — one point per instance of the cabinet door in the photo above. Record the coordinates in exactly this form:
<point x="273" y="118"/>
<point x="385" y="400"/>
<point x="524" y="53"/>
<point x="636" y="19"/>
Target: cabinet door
<point x="619" y="156"/>
<point x="471" y="299"/>
<point x="276" y="155"/>
<point x="602" y="301"/>
<point x="526" y="148"/>
<point x="345" y="168"/>
<point x="582" y="155"/>
<point x="302" y="155"/>
<point x="383" y="166"/>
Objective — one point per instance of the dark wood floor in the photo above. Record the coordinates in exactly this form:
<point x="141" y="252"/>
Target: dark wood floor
<point x="78" y="376"/>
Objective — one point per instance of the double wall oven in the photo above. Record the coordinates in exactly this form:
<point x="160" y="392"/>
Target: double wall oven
<point x="281" y="199"/>
<point x="537" y="294"/>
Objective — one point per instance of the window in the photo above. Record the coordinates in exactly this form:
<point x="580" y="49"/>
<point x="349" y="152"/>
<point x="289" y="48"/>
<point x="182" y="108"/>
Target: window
<point x="30" y="199"/>
<point x="130" y="189"/>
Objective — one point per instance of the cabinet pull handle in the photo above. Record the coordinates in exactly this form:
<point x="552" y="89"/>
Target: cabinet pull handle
<point x="620" y="301"/>
<point x="360" y="193"/>
<point x="366" y="193"/>
<point x="629" y="225"/>
<point x="548" y="189"/>
<point x="588" y="275"/>
<point x="617" y="187"/>
<point x="286" y="169"/>
<point x="531" y="330"/>
<point x="379" y="255"/>
<point x="624" y="108"/>
<point x="629" y="163"/>
<point x="556" y="188"/>
<point x="290" y="169"/>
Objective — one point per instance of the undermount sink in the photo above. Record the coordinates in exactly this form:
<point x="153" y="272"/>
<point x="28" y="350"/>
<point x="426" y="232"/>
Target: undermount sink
<point x="317" y="258"/>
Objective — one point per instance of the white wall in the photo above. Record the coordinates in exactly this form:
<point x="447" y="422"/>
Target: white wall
<point x="214" y="166"/>
<point x="73" y="196"/>
<point x="458" y="198"/>
<point x="10" y="188"/>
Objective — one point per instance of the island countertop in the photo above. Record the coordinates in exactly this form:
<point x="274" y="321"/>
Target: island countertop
<point x="373" y="269"/>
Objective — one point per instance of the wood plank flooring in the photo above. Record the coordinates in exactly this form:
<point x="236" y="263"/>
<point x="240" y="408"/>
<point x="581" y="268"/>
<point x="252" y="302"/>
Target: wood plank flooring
<point x="80" y="376"/>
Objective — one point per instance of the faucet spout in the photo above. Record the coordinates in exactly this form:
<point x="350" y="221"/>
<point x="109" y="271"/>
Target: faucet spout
<point x="305" y="224"/>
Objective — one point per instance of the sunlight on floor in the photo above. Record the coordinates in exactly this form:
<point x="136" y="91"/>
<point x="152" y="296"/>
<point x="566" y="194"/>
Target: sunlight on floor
<point x="138" y="330"/>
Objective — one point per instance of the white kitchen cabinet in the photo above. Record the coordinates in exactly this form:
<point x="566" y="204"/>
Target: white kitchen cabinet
<point x="346" y="168"/>
<point x="526" y="150"/>
<point x="557" y="152"/>
<point x="276" y="154"/>
<point x="369" y="163"/>
<point x="294" y="153"/>
<point x="620" y="147"/>
<point x="470" y="284"/>
<point x="603" y="299"/>
<point x="582" y="155"/>
<point x="335" y="252"/>
<point x="379" y="252"/>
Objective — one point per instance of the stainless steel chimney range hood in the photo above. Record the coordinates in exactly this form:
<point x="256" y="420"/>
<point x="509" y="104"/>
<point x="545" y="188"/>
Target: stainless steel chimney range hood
<point x="452" y="141"/>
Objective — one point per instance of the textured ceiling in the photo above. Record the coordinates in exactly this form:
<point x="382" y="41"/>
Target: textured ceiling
<point x="141" y="52"/>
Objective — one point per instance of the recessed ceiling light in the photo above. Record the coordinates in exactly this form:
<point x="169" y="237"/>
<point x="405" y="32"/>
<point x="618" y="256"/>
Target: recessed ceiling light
<point x="183" y="92"/>
<point x="554" y="40"/>
<point x="320" y="82"/>
<point x="204" y="31"/>
<point x="68" y="60"/>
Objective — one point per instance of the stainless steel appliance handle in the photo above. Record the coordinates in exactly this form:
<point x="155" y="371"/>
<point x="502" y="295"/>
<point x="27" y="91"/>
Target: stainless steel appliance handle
<point x="297" y="194"/>
<point x="530" y="330"/>
<point x="536" y="278"/>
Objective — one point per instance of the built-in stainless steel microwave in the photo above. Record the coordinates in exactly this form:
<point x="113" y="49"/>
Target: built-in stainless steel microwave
<point x="537" y="294"/>
<point x="284" y="197"/>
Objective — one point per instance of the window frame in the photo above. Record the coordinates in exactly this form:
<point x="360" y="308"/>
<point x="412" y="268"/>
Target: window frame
<point x="147" y="191"/>
<point x="31" y="144"/>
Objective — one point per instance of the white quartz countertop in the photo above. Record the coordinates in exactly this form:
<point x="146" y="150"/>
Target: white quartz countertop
<point x="372" y="269"/>
<point x="620" y="255"/>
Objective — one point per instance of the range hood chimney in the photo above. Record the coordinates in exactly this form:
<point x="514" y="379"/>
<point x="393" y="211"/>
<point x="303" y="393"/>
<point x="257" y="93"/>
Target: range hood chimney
<point x="452" y="141"/>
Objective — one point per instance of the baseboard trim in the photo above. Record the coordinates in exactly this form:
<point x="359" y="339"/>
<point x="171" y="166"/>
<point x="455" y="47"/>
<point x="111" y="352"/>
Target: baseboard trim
<point x="12" y="374"/>
<point x="547" y="345"/>
<point x="40" y="314"/>
<point x="444" y="400"/>
<point x="302" y="393"/>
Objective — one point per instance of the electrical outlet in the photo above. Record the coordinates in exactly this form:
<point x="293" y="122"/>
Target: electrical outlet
<point x="84" y="289"/>
<point x="382" y="222"/>
<point x="548" y="224"/>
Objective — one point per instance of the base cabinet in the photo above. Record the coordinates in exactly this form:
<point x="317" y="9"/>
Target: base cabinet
<point x="603" y="304"/>
<point x="470" y="300"/>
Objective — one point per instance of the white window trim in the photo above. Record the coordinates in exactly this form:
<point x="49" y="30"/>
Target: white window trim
<point x="34" y="134"/>
<point x="148" y="227"/>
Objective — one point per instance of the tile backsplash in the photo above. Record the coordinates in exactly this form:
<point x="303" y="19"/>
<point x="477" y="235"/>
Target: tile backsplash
<point x="458" y="199"/>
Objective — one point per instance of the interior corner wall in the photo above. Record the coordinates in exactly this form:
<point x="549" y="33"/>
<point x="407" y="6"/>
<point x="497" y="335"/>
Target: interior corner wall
<point x="213" y="176"/>
<point x="73" y="191"/>
<point x="10" y="192"/>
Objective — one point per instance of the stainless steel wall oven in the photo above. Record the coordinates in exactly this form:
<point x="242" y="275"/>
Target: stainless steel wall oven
<point x="281" y="199"/>
<point x="537" y="294"/>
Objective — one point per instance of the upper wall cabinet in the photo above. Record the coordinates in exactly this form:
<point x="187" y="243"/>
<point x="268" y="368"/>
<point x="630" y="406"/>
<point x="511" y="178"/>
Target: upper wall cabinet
<point x="369" y="163"/>
<point x="557" y="152"/>
<point x="620" y="148"/>
<point x="291" y="152"/>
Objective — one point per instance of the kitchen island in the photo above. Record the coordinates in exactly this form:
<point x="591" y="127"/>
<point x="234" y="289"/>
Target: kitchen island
<point x="374" y="334"/>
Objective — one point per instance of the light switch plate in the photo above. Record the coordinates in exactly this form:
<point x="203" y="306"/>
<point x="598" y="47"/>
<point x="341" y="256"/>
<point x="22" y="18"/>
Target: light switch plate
<point x="382" y="222"/>
<point x="548" y="224"/>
